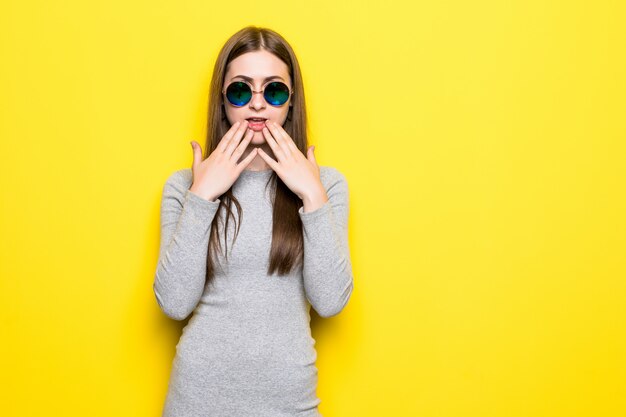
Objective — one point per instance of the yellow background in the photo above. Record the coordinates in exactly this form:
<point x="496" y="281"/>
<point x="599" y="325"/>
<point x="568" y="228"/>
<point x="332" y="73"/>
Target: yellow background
<point x="483" y="143"/>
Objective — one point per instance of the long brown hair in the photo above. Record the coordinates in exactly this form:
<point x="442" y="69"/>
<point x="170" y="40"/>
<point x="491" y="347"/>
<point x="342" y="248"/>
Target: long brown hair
<point x="287" y="241"/>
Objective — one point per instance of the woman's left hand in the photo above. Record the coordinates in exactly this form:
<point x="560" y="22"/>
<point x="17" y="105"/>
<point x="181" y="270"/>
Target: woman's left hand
<point x="301" y="174"/>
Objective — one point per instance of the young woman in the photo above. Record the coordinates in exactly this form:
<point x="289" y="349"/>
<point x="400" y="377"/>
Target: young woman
<point x="247" y="349"/>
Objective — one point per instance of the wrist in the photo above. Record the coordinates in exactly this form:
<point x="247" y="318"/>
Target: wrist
<point x="314" y="199"/>
<point x="202" y="195"/>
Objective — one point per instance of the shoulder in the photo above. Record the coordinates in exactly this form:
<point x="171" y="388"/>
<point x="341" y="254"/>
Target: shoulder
<point x="177" y="183"/>
<point x="331" y="174"/>
<point x="182" y="177"/>
<point x="333" y="179"/>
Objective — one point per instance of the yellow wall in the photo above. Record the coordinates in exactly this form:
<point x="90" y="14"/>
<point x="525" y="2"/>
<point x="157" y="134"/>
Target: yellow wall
<point x="483" y="142"/>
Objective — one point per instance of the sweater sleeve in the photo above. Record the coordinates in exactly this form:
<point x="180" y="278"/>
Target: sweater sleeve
<point x="185" y="229"/>
<point x="327" y="268"/>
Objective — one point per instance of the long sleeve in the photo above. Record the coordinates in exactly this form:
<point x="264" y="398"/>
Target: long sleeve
<point x="185" y="229"/>
<point x="327" y="268"/>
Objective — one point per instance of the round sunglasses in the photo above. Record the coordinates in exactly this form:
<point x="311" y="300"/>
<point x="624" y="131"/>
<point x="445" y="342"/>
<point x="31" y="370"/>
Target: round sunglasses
<point x="239" y="93"/>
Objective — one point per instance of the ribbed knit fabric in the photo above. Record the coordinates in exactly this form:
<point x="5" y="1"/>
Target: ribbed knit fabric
<point x="247" y="349"/>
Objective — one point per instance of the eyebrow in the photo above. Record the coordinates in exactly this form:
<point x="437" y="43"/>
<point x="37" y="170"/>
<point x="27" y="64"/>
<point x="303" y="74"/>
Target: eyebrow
<point x="251" y="79"/>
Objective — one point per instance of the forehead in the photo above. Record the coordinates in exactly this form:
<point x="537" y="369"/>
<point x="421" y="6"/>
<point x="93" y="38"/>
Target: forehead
<point x="258" y="65"/>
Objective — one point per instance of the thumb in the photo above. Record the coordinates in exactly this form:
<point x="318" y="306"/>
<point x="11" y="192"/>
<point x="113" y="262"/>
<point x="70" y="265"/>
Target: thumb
<point x="311" y="155"/>
<point x="197" y="155"/>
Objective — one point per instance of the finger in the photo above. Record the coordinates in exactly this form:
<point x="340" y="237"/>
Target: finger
<point x="224" y="141"/>
<point x="197" y="155"/>
<point x="311" y="155"/>
<point x="280" y="139"/>
<point x="273" y="164"/>
<point x="276" y="149"/>
<point x="288" y="141"/>
<point x="244" y="163"/>
<point x="229" y="134"/>
<point x="234" y="141"/>
<point x="243" y="145"/>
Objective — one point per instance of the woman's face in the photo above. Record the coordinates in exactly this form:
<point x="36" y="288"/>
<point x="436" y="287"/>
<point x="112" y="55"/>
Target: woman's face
<point x="257" y="65"/>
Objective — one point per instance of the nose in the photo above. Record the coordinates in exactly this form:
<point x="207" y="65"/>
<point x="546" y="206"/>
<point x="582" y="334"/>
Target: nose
<point x="257" y="101"/>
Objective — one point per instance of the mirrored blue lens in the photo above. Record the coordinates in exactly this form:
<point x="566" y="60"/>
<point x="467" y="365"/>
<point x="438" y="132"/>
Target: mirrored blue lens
<point x="238" y="93"/>
<point x="276" y="93"/>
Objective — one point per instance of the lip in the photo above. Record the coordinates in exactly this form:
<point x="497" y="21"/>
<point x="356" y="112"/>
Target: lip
<point x="257" y="126"/>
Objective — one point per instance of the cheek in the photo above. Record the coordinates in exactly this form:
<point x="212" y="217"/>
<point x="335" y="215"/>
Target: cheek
<point x="234" y="115"/>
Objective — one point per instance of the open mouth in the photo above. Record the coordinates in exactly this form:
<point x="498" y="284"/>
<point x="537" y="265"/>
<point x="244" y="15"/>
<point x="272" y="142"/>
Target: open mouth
<point x="256" y="124"/>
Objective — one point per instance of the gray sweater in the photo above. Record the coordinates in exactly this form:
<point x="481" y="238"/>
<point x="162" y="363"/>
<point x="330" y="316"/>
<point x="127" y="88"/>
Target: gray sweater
<point x="247" y="349"/>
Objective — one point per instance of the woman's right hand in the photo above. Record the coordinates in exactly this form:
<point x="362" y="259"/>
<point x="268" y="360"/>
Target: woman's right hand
<point x="216" y="174"/>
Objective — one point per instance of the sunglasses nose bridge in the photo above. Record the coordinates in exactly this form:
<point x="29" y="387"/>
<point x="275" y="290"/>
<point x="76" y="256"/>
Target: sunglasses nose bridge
<point x="255" y="99"/>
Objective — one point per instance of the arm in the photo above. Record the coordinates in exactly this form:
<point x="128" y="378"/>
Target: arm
<point x="185" y="229"/>
<point x="327" y="268"/>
